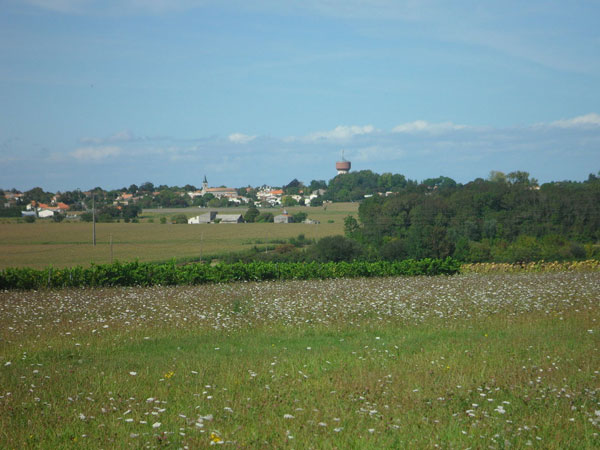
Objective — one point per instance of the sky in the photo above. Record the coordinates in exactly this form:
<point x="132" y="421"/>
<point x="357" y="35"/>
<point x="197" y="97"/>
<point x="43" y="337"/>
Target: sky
<point x="117" y="92"/>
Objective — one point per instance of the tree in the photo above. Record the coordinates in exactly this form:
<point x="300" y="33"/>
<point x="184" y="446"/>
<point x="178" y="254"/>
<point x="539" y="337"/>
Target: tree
<point x="497" y="177"/>
<point x="315" y="185"/>
<point x="351" y="226"/>
<point x="299" y="217"/>
<point x="251" y="214"/>
<point x="37" y="194"/>
<point x="147" y="187"/>
<point x="293" y="187"/>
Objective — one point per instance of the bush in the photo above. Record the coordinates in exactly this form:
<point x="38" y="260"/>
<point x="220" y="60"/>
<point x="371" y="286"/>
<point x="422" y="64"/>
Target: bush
<point x="179" y="219"/>
<point x="29" y="219"/>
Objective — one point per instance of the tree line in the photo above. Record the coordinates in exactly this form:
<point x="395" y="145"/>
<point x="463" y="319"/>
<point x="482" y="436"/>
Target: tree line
<point x="505" y="218"/>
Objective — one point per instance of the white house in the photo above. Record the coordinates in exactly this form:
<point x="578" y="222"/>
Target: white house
<point x="45" y="213"/>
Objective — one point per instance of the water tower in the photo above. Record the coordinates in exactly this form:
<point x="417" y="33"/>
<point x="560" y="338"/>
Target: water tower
<point x="342" y="166"/>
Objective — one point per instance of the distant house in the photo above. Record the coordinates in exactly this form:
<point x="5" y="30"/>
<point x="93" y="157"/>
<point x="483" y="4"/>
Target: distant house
<point x="28" y="213"/>
<point x="283" y="218"/>
<point x="45" y="213"/>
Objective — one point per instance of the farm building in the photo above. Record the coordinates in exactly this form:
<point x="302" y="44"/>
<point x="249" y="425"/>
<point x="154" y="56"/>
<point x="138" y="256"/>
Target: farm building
<point x="209" y="217"/>
<point x="283" y="218"/>
<point x="213" y="216"/>
<point x="230" y="218"/>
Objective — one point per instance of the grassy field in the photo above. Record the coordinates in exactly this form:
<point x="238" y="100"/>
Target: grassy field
<point x="66" y="244"/>
<point x="470" y="361"/>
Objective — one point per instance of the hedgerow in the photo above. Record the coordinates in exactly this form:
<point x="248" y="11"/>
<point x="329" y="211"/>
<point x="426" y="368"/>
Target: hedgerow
<point x="149" y="274"/>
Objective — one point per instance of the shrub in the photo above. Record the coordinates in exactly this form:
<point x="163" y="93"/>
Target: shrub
<point x="179" y="219"/>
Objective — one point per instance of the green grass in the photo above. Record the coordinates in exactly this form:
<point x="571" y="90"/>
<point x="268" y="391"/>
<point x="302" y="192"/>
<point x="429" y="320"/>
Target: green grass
<point x="334" y="355"/>
<point x="66" y="244"/>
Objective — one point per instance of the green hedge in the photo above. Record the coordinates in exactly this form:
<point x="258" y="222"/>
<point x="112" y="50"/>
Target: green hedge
<point x="149" y="274"/>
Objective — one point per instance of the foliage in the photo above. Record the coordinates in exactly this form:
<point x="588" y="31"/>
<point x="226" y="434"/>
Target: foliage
<point x="338" y="248"/>
<point x="29" y="219"/>
<point x="354" y="186"/>
<point x="148" y="274"/>
<point x="288" y="201"/>
<point x="508" y="218"/>
<point x="179" y="219"/>
<point x="299" y="217"/>
<point x="37" y="194"/>
<point x="10" y="212"/>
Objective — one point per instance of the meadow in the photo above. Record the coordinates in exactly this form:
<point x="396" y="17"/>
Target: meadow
<point x="66" y="244"/>
<point x="498" y="360"/>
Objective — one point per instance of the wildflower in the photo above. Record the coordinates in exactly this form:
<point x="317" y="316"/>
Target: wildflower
<point x="169" y="374"/>
<point x="156" y="425"/>
<point x="133" y="374"/>
<point x="288" y="416"/>
<point x="215" y="438"/>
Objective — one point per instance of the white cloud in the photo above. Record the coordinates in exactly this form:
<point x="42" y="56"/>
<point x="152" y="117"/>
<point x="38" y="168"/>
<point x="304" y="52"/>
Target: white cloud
<point x="240" y="138"/>
<point x="341" y="132"/>
<point x="122" y="136"/>
<point x="95" y="153"/>
<point x="585" y="121"/>
<point x="421" y="126"/>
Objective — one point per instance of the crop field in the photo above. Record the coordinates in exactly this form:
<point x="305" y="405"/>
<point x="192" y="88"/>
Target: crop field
<point x="469" y="361"/>
<point x="65" y="244"/>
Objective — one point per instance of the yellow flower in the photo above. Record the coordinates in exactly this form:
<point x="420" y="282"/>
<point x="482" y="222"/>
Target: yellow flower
<point x="169" y="374"/>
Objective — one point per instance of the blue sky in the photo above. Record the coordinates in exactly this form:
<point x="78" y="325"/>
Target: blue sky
<point x="110" y="93"/>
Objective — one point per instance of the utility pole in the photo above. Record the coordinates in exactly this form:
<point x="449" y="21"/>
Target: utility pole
<point x="201" y="238"/>
<point x="94" y="219"/>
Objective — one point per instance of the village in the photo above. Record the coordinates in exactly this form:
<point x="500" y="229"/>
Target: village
<point x="127" y="203"/>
